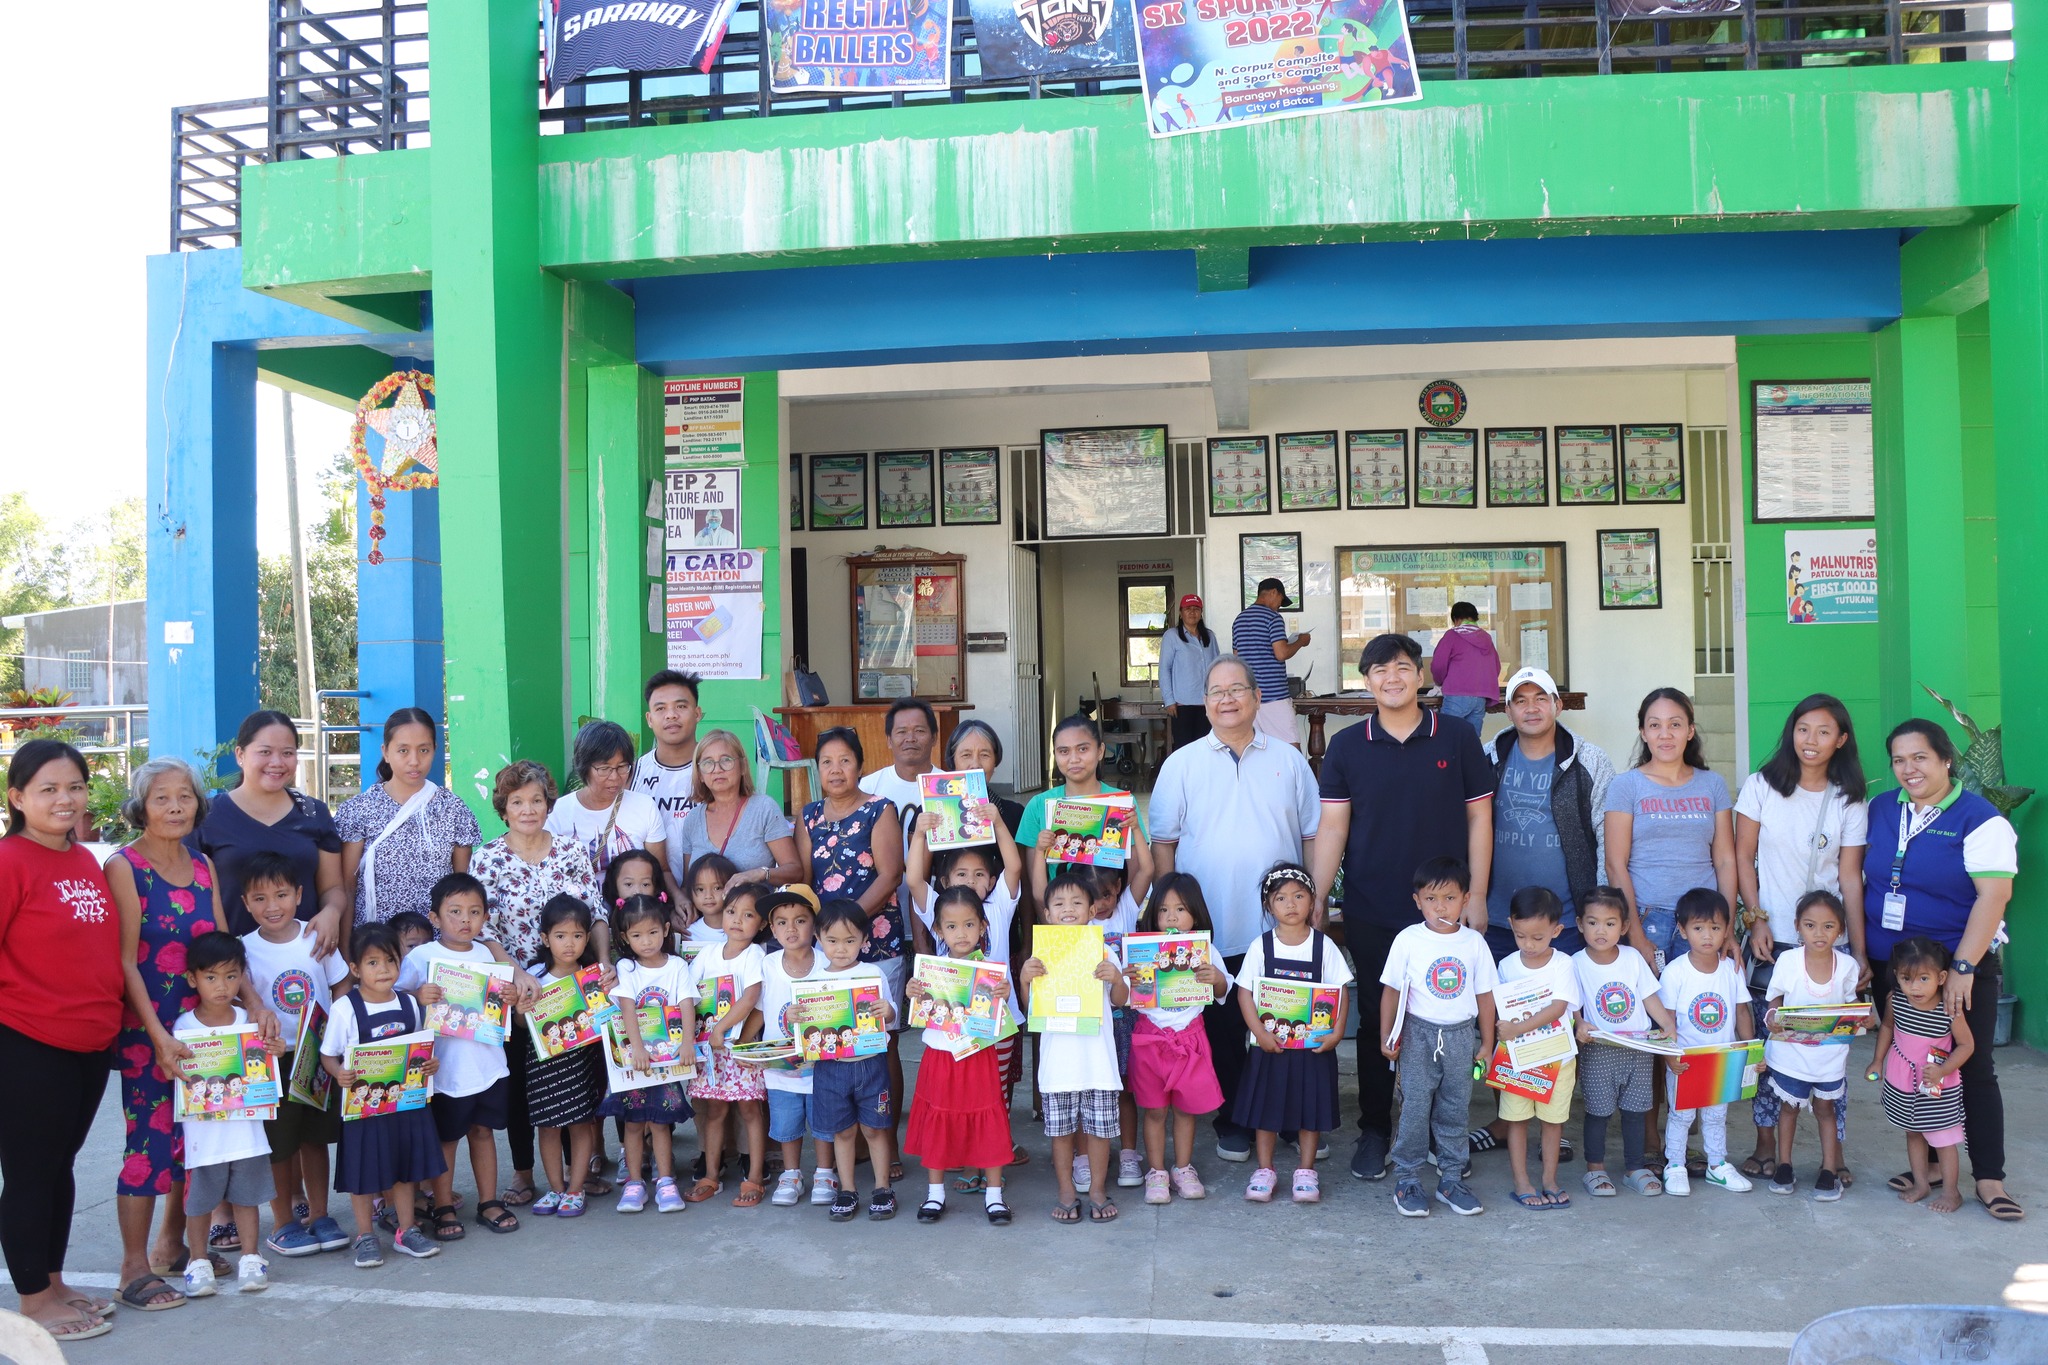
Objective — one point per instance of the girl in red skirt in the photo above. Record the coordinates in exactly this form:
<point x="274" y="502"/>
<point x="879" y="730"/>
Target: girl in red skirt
<point x="957" y="1118"/>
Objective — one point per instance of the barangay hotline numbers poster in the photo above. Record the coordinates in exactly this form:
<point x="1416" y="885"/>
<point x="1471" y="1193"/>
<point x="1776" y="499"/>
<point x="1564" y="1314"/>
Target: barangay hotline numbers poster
<point x="1218" y="63"/>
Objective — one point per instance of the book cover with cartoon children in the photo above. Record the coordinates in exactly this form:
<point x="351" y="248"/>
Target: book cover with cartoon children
<point x="472" y="1003"/>
<point x="390" y="1076"/>
<point x="661" y="1032"/>
<point x="1532" y="1082"/>
<point x="564" y="1017"/>
<point x="309" y="1083"/>
<point x="777" y="1056"/>
<point x="838" y="1023"/>
<point x="946" y="798"/>
<point x="1300" y="1014"/>
<point x="1163" y="970"/>
<point x="966" y="1000"/>
<point x="229" y="1075"/>
<point x="1068" y="998"/>
<point x="1093" y="830"/>
<point x="1823" y="1025"/>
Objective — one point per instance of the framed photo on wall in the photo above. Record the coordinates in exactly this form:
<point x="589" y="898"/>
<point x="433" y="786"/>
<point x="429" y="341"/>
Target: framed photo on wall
<point x="1653" y="462"/>
<point x="971" y="487"/>
<point x="1104" y="482"/>
<point x="839" y="492"/>
<point x="1517" y="467"/>
<point x="796" y="492"/>
<point x="1240" y="476"/>
<point x="1274" y="554"/>
<point x="1631" y="571"/>
<point x="903" y="488"/>
<point x="1586" y="468"/>
<point x="1308" y="471"/>
<point x="1446" y="467"/>
<point x="1376" y="469"/>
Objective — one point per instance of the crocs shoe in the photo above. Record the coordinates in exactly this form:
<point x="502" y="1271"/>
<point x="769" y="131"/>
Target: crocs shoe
<point x="667" y="1198"/>
<point x="571" y="1206"/>
<point x="1156" y="1189"/>
<point x="632" y="1197"/>
<point x="824" y="1185"/>
<point x="789" y="1190"/>
<point x="547" y="1206"/>
<point x="1187" y="1184"/>
<point x="328" y="1234"/>
<point x="291" y="1240"/>
<point x="1307" y="1188"/>
<point x="1130" y="1171"/>
<point x="1259" y="1189"/>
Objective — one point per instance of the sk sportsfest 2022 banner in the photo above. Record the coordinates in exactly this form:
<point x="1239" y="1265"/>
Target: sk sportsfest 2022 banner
<point x="1222" y="63"/>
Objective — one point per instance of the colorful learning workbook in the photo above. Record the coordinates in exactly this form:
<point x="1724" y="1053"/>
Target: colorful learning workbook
<point x="1536" y="1083"/>
<point x="1068" y="998"/>
<point x="1720" y="1074"/>
<point x="1820" y="1024"/>
<point x="1300" y="1014"/>
<point x="1524" y="998"/>
<point x="966" y="1000"/>
<point x="472" y="1003"/>
<point x="662" y="1030"/>
<point x="568" y="1014"/>
<point x="959" y="802"/>
<point x="838" y="1023"/>
<point x="390" y="1076"/>
<point x="782" y="1056"/>
<point x="1163" y="968"/>
<point x="1095" y="830"/>
<point x="309" y="1082"/>
<point x="230" y="1075"/>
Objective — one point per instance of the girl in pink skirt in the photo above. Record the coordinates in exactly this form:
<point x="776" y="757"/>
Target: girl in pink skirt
<point x="728" y="1001"/>
<point x="1170" y="1062"/>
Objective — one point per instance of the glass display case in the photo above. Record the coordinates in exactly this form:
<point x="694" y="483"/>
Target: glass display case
<point x="1518" y="589"/>
<point x="909" y="610"/>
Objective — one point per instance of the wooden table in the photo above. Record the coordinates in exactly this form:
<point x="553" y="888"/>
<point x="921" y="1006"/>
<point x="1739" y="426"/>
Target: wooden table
<point x="806" y="723"/>
<point x="1319" y="709"/>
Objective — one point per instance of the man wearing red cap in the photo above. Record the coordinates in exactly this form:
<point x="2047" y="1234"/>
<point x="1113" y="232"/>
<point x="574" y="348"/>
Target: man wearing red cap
<point x="1185" y="654"/>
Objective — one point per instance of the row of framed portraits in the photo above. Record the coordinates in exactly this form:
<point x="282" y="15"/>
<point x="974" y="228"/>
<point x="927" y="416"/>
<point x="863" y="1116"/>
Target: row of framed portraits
<point x="967" y="491"/>
<point x="1630" y="563"/>
<point x="1383" y="470"/>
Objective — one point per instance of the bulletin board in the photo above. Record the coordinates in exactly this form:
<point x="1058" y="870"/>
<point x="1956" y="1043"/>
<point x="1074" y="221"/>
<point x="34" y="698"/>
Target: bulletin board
<point x="1519" y="590"/>
<point x="908" y="607"/>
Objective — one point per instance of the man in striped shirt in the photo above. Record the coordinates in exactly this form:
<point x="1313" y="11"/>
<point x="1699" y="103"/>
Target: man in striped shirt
<point x="1259" y="637"/>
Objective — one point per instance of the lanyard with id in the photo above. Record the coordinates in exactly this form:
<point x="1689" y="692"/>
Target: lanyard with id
<point x="1911" y="822"/>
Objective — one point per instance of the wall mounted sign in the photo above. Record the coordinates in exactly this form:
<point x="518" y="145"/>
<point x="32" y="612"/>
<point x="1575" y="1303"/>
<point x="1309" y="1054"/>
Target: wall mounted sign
<point x="1442" y="403"/>
<point x="972" y="492"/>
<point x="1275" y="555"/>
<point x="903" y="488"/>
<point x="1631" y="571"/>
<point x="1446" y="468"/>
<point x="703" y="420"/>
<point x="702" y="508"/>
<point x="1240" y="476"/>
<point x="1104" y="481"/>
<point x="1586" y="466"/>
<point x="1308" y="471"/>
<point x="1831" y="577"/>
<point x="1813" y="450"/>
<point x="824" y="45"/>
<point x="1653" y="462"/>
<point x="839" y="492"/>
<point x="1052" y="37"/>
<point x="1376" y="469"/>
<point x="1517" y="467"/>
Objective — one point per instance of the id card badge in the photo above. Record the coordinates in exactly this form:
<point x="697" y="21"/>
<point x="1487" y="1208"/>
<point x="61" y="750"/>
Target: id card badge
<point x="1894" y="912"/>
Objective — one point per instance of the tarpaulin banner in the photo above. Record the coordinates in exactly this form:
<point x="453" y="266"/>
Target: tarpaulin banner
<point x="1052" y="37"/>
<point x="1670" y="9"/>
<point x="1220" y="63"/>
<point x="820" y="45"/>
<point x="601" y="35"/>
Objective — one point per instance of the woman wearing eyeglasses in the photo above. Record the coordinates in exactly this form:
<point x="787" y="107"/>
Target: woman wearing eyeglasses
<point x="733" y="819"/>
<point x="606" y="815"/>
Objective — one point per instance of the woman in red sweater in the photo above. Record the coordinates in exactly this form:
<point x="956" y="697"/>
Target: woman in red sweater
<point x="60" y="1007"/>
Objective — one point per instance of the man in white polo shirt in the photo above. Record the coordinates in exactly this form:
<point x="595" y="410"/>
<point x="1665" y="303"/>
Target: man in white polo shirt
<point x="1226" y="808"/>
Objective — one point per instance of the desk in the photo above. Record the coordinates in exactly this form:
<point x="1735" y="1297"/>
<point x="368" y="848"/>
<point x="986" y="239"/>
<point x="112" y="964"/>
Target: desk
<point x="806" y="723"/>
<point x="1319" y="709"/>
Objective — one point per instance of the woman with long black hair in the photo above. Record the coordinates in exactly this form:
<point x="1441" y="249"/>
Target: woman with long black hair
<point x="1185" y="653"/>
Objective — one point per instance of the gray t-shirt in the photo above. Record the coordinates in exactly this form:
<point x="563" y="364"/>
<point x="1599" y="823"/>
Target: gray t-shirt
<point x="1526" y="851"/>
<point x="760" y="820"/>
<point x="1672" y="850"/>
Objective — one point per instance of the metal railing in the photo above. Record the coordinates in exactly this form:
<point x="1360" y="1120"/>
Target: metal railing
<point x="320" y="759"/>
<point x="350" y="76"/>
<point x="101" y="729"/>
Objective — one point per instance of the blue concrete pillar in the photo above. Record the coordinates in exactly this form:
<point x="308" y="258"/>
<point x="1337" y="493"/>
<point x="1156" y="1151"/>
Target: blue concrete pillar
<point x="398" y="607"/>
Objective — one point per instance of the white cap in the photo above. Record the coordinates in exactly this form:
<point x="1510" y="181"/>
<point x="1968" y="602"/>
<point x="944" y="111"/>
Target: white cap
<point x="1532" y="675"/>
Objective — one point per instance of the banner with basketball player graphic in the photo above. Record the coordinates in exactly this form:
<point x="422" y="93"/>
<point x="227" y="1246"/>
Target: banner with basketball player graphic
<point x="1052" y="37"/>
<point x="816" y="46"/>
<point x="1222" y="63"/>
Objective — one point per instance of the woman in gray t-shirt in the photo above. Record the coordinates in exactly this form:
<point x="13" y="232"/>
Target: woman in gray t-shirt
<point x="1670" y="824"/>
<point x="731" y="818"/>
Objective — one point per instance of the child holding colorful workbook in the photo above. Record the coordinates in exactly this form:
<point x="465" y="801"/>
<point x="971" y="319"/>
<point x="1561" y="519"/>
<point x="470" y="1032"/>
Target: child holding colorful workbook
<point x="957" y="1117"/>
<point x="1171" y="1066"/>
<point x="564" y="1090"/>
<point x="1811" y="1074"/>
<point x="793" y="921"/>
<point x="728" y="990"/>
<point x="1078" y="1079"/>
<point x="1619" y="994"/>
<point x="1704" y="993"/>
<point x="850" y="1095"/>
<point x="1536" y="918"/>
<point x="649" y="975"/>
<point x="1289" y="1089"/>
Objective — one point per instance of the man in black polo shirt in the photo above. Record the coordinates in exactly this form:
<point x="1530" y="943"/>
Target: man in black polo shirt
<point x="1399" y="787"/>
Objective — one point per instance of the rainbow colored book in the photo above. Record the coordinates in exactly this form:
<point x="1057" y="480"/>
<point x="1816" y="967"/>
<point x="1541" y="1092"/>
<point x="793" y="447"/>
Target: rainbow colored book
<point x="1720" y="1074"/>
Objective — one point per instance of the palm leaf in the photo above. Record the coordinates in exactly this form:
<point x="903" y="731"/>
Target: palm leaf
<point x="1981" y="768"/>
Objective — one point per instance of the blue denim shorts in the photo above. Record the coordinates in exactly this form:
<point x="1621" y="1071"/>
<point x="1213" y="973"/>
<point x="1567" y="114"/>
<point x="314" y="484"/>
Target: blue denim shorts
<point x="847" y="1093"/>
<point x="789" y="1115"/>
<point x="1660" y="926"/>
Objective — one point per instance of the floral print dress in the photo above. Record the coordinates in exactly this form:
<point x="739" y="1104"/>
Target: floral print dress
<point x="843" y="864"/>
<point x="172" y="916"/>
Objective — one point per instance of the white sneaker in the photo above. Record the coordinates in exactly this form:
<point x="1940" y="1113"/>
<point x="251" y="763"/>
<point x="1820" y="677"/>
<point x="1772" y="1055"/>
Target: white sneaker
<point x="252" y="1275"/>
<point x="789" y="1189"/>
<point x="1676" y="1181"/>
<point x="823" y="1186"/>
<point x="1727" y="1177"/>
<point x="1083" y="1178"/>
<point x="199" y="1278"/>
<point x="1130" y="1172"/>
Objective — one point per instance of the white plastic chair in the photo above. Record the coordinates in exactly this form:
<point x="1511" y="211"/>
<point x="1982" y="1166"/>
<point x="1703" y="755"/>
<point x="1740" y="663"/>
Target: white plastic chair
<point x="24" y="1341"/>
<point x="1923" y="1334"/>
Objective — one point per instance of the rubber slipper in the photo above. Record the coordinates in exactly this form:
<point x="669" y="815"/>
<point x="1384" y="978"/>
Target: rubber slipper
<point x="518" y="1197"/>
<point x="703" y="1190"/>
<point x="1018" y="1156"/>
<point x="1753" y="1168"/>
<point x="1559" y="1199"/>
<point x="1481" y="1140"/>
<point x="1104" y="1212"/>
<point x="1067" y="1213"/>
<point x="970" y="1184"/>
<point x="81" y="1328"/>
<point x="1537" y="1200"/>
<point x="139" y="1292"/>
<point x="2004" y="1208"/>
<point x="1903" y="1181"/>
<point x="99" y="1308"/>
<point x="1599" y="1184"/>
<point x="750" y="1194"/>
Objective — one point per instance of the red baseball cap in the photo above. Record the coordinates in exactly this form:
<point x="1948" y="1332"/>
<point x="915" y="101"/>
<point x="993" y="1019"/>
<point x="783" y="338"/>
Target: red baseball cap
<point x="1190" y="600"/>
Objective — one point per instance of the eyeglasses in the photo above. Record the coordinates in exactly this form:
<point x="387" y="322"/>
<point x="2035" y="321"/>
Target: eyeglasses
<point x="718" y="765"/>
<point x="1236" y="693"/>
<point x="611" y="770"/>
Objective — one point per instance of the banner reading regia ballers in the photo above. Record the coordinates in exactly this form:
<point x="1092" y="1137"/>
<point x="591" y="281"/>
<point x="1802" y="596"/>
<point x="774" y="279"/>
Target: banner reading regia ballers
<point x="1220" y="63"/>
<point x="818" y="45"/>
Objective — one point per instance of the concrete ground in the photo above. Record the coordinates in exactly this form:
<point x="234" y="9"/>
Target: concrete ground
<point x="1718" y="1276"/>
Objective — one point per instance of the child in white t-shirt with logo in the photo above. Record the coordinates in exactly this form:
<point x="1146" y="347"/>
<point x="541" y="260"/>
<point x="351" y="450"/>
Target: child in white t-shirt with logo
<point x="1704" y="992"/>
<point x="1804" y="1074"/>
<point x="1436" y="1024"/>
<point x="1536" y="916"/>
<point x="1618" y="994"/>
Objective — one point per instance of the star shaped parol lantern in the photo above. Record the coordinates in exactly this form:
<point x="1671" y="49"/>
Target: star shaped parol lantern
<point x="399" y="409"/>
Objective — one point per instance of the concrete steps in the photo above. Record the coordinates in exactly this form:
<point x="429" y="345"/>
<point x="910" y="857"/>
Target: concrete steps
<point x="1713" y="700"/>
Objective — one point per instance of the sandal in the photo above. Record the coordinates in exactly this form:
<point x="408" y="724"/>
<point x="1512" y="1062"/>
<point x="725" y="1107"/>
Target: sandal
<point x="1644" y="1182"/>
<point x="970" y="1184"/>
<point x="750" y="1194"/>
<point x="1558" y="1199"/>
<point x="2004" y="1208"/>
<point x="1538" y="1199"/>
<point x="444" y="1225"/>
<point x="1481" y="1140"/>
<point x="895" y="1171"/>
<point x="703" y="1190"/>
<point x="79" y="1328"/>
<point x="92" y="1307"/>
<point x="596" y="1186"/>
<point x="518" y="1197"/>
<point x="141" y="1294"/>
<point x="1599" y="1184"/>
<point x="1103" y="1212"/>
<point x="1067" y="1213"/>
<point x="503" y="1222"/>
<point x="1846" y="1177"/>
<point x="1018" y="1156"/>
<point x="1903" y="1181"/>
<point x="1753" y="1168"/>
<point x="223" y="1238"/>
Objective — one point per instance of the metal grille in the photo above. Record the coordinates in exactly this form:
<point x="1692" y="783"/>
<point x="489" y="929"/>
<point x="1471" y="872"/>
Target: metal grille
<point x="346" y="77"/>
<point x="210" y="143"/>
<point x="1713" y="561"/>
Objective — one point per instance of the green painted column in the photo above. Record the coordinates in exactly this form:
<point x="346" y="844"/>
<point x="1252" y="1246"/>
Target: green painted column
<point x="499" y="371"/>
<point x="1917" y="419"/>
<point x="2017" y="255"/>
<point x="624" y="459"/>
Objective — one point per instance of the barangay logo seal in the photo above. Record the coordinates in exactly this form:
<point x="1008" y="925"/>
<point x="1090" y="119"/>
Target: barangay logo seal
<point x="1442" y="403"/>
<point x="1447" y="978"/>
<point x="290" y="991"/>
<point x="1615" y="1001"/>
<point x="1709" y="1012"/>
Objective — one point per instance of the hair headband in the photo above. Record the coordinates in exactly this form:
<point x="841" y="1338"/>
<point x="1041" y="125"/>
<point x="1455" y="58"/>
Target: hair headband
<point x="1280" y="875"/>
